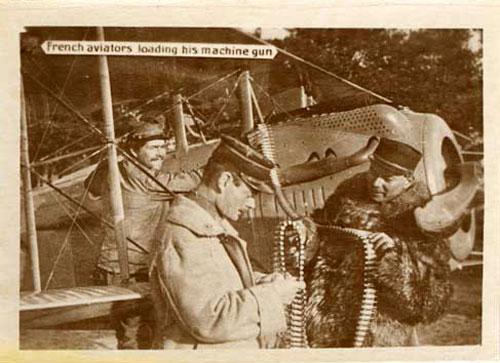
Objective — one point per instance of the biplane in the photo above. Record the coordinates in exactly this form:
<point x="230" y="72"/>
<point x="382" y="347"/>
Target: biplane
<point x="199" y="98"/>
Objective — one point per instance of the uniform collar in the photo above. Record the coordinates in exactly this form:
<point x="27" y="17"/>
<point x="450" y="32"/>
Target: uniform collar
<point x="193" y="216"/>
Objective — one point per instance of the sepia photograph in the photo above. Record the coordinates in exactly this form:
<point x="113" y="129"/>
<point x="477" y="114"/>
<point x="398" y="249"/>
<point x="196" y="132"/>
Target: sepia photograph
<point x="206" y="188"/>
<point x="263" y="182"/>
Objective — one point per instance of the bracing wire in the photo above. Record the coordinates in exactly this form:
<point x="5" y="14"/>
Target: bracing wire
<point x="64" y="103"/>
<point x="261" y="89"/>
<point x="169" y="109"/>
<point x="65" y="156"/>
<point x="213" y="84"/>
<point x="312" y="65"/>
<point x="47" y="76"/>
<point x="48" y="156"/>
<point x="206" y="88"/>
<point x="196" y="121"/>
<point x="68" y="210"/>
<point x="72" y="166"/>
<point x="216" y="117"/>
<point x="105" y="222"/>
<point x="66" y="238"/>
<point x="61" y="93"/>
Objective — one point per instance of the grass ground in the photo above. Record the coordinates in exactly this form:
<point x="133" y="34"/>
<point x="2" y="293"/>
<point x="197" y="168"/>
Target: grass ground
<point x="462" y="324"/>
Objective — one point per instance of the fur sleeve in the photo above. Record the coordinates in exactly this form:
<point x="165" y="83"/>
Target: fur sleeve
<point x="413" y="281"/>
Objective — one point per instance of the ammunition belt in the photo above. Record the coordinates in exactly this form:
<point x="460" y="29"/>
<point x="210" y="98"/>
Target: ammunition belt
<point x="296" y="334"/>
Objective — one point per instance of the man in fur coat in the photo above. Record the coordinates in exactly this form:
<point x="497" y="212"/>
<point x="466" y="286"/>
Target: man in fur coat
<point x="412" y="273"/>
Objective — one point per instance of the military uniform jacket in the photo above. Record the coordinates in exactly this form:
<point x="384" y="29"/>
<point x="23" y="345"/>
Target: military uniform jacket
<point x="143" y="203"/>
<point x="203" y="286"/>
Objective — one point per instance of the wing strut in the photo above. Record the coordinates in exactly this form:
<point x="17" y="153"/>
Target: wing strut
<point x="29" y="206"/>
<point x="246" y="102"/>
<point x="114" y="174"/>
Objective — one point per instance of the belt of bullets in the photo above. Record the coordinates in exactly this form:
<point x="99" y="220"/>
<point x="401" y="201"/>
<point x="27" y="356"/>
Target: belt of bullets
<point x="296" y="334"/>
<point x="369" y="300"/>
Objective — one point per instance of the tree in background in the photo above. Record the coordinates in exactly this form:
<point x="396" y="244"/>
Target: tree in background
<point x="429" y="70"/>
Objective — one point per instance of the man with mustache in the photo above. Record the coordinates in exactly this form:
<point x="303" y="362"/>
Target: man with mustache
<point x="205" y="292"/>
<point x="412" y="271"/>
<point x="143" y="201"/>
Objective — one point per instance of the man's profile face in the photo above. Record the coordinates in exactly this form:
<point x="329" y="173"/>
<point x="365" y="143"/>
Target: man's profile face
<point x="384" y="185"/>
<point x="233" y="200"/>
<point x="152" y="154"/>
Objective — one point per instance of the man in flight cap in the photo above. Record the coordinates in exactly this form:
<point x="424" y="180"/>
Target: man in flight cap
<point x="143" y="201"/>
<point x="205" y="292"/>
<point x="412" y="269"/>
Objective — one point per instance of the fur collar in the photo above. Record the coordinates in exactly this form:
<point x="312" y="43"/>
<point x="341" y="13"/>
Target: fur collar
<point x="352" y="207"/>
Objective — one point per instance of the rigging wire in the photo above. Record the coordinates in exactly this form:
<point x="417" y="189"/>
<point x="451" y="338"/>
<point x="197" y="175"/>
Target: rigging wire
<point x="45" y="133"/>
<point x="171" y="107"/>
<point x="206" y="88"/>
<point x="216" y="117"/>
<point x="83" y="160"/>
<point x="61" y="94"/>
<point x="197" y="122"/>
<point x="213" y="84"/>
<point x="48" y="156"/>
<point x="273" y="100"/>
<point x="468" y="138"/>
<point x="48" y="77"/>
<point x="66" y="239"/>
<point x="65" y="104"/>
<point x="66" y="156"/>
<point x="60" y="91"/>
<point x="151" y="100"/>
<point x="68" y="210"/>
<point x="72" y="200"/>
<point x="312" y="65"/>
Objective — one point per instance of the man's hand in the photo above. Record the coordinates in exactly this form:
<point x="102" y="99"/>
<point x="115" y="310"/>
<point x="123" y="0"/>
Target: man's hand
<point x="275" y="276"/>
<point x="382" y="243"/>
<point x="287" y="289"/>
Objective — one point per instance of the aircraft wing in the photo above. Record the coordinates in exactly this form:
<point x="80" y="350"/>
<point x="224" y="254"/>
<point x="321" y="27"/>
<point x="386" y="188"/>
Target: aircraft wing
<point x="60" y="306"/>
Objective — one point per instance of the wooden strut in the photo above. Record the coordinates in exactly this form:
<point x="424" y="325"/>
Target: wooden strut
<point x="29" y="206"/>
<point x="246" y="103"/>
<point x="114" y="173"/>
<point x="181" y="147"/>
